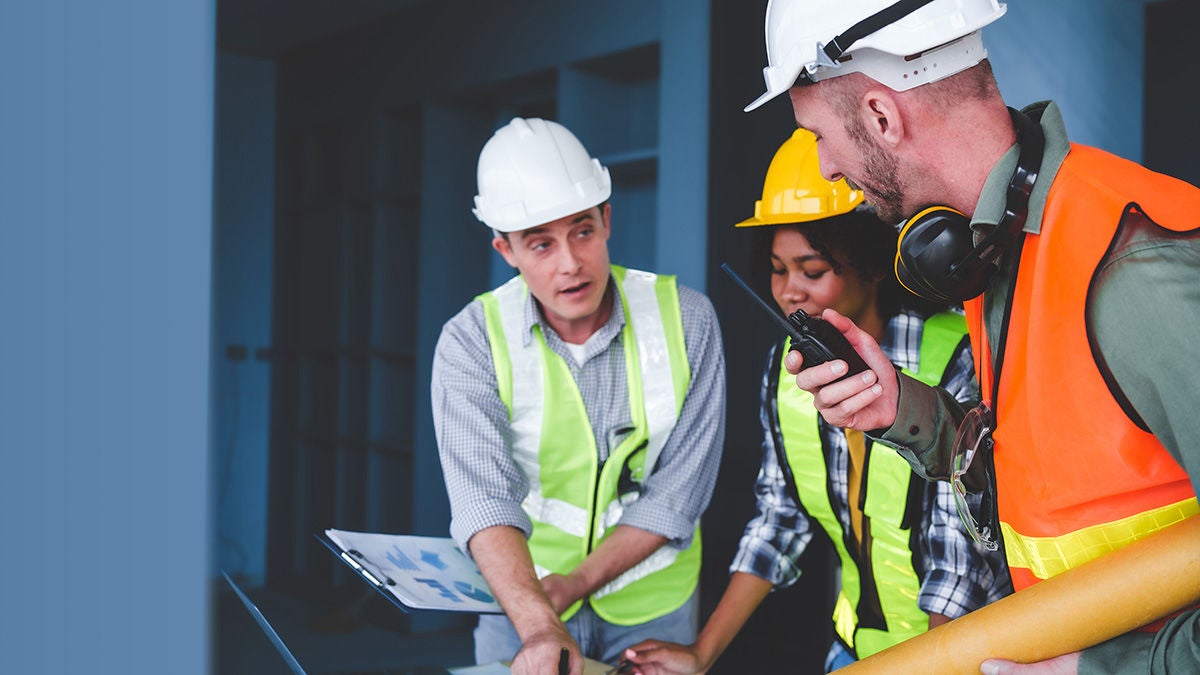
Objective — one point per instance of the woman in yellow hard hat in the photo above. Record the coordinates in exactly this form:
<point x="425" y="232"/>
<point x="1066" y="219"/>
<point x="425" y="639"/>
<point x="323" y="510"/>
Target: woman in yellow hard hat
<point x="907" y="562"/>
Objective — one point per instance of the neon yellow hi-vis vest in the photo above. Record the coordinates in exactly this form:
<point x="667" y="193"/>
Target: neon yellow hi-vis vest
<point x="572" y="502"/>
<point x="877" y="605"/>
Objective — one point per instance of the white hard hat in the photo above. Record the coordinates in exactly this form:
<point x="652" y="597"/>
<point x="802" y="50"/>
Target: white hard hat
<point x="890" y="42"/>
<point x="534" y="171"/>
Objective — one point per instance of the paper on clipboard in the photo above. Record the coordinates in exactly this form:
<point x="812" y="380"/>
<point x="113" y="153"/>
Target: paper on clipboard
<point x="419" y="572"/>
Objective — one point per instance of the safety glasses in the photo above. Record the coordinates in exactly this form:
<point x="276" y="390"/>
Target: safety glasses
<point x="974" y="437"/>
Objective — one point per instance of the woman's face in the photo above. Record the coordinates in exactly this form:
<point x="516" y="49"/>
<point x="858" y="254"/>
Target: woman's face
<point x="803" y="278"/>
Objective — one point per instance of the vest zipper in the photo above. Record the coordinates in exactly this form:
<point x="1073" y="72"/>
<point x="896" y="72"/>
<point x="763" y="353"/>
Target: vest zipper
<point x="591" y="538"/>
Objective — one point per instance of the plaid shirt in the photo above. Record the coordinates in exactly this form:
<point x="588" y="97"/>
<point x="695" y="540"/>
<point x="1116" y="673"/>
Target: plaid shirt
<point x="957" y="575"/>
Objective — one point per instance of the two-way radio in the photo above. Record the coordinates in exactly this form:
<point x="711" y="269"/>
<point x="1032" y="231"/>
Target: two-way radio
<point x="815" y="338"/>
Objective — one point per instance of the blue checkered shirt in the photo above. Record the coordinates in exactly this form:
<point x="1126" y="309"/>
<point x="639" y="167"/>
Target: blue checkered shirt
<point x="957" y="575"/>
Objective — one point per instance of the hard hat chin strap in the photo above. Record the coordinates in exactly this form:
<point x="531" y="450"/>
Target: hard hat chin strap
<point x="828" y="54"/>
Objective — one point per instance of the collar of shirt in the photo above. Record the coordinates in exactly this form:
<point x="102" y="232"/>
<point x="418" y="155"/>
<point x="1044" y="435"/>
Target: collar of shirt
<point x="598" y="342"/>
<point x="995" y="189"/>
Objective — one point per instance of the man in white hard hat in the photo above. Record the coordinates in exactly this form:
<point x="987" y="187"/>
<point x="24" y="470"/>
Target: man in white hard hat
<point x="1052" y="247"/>
<point x="579" y="411"/>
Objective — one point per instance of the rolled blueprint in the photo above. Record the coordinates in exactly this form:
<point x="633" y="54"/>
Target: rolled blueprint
<point x="1106" y="597"/>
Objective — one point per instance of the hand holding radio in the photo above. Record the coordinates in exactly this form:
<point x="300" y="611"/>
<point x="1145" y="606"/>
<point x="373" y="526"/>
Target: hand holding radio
<point x="817" y="341"/>
<point x="870" y="405"/>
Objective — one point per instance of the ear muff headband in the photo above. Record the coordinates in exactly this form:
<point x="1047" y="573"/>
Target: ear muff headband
<point x="937" y="257"/>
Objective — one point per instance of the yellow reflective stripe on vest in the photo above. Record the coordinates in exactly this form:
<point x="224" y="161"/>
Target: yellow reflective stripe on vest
<point x="1048" y="556"/>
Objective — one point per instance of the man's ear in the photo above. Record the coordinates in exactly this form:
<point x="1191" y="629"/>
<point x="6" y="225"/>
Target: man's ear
<point x="881" y="116"/>
<point x="504" y="248"/>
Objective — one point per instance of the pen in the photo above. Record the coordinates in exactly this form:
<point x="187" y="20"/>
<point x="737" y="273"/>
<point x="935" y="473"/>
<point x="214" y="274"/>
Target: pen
<point x="564" y="662"/>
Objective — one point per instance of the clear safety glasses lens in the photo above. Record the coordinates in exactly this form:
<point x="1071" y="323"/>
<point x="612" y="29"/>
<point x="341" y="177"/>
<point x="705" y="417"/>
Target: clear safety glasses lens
<point x="974" y="436"/>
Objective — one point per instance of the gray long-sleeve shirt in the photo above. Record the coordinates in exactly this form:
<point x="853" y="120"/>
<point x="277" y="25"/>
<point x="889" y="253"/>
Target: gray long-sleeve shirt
<point x="485" y="485"/>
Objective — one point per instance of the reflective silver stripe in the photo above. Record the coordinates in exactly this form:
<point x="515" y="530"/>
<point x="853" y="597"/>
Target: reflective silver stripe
<point x="613" y="512"/>
<point x="661" y="559"/>
<point x="567" y="517"/>
<point x="526" y="361"/>
<point x="658" y="387"/>
<point x="527" y="411"/>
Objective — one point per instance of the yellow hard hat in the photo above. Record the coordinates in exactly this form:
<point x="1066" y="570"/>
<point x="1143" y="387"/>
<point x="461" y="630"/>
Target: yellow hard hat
<point x="795" y="191"/>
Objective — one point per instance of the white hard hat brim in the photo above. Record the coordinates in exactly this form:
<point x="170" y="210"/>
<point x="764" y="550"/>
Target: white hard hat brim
<point x="758" y="102"/>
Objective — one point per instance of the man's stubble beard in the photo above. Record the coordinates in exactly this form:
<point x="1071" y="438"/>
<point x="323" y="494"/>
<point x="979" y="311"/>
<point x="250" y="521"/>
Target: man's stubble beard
<point x="881" y="181"/>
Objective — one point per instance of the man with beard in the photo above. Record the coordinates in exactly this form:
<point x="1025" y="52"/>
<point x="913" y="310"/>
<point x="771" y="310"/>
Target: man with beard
<point x="1086" y="432"/>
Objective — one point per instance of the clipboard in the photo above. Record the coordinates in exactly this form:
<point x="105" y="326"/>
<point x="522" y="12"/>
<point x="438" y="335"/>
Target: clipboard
<point x="414" y="572"/>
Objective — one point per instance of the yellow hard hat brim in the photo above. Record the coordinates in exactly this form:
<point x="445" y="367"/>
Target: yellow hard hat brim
<point x="794" y="191"/>
<point x="785" y="219"/>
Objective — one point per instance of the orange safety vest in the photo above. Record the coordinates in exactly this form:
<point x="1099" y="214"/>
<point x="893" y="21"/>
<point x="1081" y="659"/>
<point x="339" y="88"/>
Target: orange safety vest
<point x="1075" y="477"/>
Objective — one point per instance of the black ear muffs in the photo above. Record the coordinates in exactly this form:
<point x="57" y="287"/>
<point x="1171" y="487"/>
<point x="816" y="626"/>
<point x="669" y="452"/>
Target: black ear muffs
<point x="930" y="244"/>
<point x="937" y="257"/>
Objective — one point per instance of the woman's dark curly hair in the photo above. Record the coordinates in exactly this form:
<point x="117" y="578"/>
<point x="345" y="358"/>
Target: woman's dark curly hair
<point x="861" y="241"/>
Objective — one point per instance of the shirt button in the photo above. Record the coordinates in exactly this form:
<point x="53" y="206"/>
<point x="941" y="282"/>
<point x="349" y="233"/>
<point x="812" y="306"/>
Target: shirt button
<point x="914" y="430"/>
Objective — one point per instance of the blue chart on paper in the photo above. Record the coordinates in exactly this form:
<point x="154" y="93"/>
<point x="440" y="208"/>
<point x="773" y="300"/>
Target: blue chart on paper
<point x="431" y="558"/>
<point x="423" y="572"/>
<point x="400" y="560"/>
<point x="434" y="560"/>
<point x="473" y="592"/>
<point x="440" y="588"/>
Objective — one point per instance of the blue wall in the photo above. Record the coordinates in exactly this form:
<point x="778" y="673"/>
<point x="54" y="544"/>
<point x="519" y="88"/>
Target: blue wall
<point x="105" y="271"/>
<point x="243" y="242"/>
<point x="1087" y="55"/>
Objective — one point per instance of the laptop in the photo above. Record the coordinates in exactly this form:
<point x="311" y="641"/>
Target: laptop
<point x="289" y="658"/>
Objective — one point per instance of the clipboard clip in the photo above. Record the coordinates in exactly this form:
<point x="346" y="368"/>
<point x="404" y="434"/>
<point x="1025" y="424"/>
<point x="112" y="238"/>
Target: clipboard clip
<point x="359" y="563"/>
